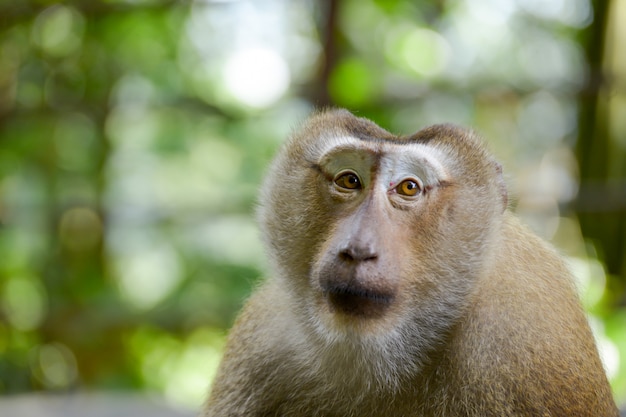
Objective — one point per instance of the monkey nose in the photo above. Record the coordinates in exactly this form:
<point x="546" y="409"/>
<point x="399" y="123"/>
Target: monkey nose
<point x="357" y="253"/>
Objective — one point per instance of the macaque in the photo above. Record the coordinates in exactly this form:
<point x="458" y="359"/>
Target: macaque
<point x="401" y="285"/>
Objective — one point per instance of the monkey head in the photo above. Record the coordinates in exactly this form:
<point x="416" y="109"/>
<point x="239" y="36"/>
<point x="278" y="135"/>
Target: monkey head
<point x="374" y="232"/>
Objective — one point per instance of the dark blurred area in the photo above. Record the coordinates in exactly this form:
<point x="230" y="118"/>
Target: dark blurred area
<point x="134" y="135"/>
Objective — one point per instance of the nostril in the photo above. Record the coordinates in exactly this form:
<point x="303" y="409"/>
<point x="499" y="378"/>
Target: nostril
<point x="371" y="257"/>
<point x="345" y="256"/>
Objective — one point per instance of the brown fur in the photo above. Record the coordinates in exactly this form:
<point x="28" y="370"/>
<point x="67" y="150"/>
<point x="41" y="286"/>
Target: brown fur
<point x="438" y="305"/>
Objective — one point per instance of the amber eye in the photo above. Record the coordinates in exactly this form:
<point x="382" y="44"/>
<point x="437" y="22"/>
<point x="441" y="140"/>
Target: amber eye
<point x="349" y="181"/>
<point x="409" y="188"/>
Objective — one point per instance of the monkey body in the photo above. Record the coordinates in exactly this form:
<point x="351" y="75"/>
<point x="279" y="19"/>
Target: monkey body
<point x="403" y="287"/>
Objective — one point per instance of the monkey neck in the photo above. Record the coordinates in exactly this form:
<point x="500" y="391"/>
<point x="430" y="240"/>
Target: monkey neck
<point x="358" y="366"/>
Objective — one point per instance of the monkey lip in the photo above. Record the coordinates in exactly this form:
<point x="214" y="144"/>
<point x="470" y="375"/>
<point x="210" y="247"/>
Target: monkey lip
<point x="355" y="300"/>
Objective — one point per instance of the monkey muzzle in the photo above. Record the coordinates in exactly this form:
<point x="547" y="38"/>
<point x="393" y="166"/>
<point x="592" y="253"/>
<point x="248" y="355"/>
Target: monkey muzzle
<point x="357" y="292"/>
<point x="357" y="301"/>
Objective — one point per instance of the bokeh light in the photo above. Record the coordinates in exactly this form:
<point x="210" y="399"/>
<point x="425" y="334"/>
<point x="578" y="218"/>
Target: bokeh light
<point x="256" y="77"/>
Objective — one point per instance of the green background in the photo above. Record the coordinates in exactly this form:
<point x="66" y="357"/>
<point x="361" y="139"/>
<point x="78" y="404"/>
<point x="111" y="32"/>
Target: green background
<point x="134" y="135"/>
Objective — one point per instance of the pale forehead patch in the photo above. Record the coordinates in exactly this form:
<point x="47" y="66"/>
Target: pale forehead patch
<point x="395" y="155"/>
<point x="428" y="156"/>
<point x="327" y="143"/>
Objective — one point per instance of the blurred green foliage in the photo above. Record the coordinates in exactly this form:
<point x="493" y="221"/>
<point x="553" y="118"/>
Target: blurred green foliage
<point x="134" y="135"/>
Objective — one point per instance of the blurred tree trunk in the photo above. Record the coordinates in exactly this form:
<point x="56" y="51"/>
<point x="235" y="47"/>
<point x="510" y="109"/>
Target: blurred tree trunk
<point x="329" y="33"/>
<point x="601" y="204"/>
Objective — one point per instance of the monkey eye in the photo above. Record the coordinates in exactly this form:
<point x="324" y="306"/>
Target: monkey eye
<point x="409" y="188"/>
<point x="348" y="180"/>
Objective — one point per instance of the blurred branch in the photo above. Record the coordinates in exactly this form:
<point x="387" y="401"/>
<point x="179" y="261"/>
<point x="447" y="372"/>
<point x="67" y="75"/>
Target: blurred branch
<point x="601" y="197"/>
<point x="601" y="203"/>
<point x="329" y="33"/>
<point x="591" y="153"/>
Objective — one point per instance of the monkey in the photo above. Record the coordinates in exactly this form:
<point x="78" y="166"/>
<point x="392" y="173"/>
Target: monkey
<point x="402" y="285"/>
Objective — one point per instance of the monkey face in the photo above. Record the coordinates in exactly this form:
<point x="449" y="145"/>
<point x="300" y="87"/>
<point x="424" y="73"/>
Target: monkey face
<point x="374" y="231"/>
<point x="378" y="189"/>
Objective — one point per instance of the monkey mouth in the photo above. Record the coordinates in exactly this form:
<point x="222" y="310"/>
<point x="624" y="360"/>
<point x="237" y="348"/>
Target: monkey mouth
<point x="355" y="300"/>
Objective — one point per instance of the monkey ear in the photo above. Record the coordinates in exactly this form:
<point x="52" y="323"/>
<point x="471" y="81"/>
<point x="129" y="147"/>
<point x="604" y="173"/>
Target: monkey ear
<point x="504" y="194"/>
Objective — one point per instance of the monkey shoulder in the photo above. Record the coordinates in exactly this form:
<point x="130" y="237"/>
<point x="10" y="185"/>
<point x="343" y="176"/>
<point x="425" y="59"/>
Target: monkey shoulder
<point x="263" y="358"/>
<point x="525" y="343"/>
<point x="528" y="288"/>
<point x="266" y="330"/>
